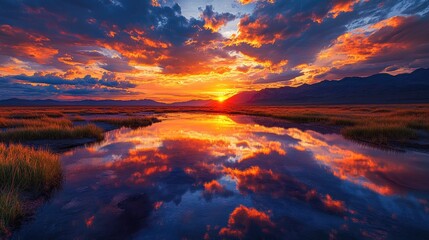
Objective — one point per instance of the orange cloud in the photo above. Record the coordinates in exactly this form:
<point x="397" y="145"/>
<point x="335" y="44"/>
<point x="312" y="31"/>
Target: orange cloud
<point x="247" y="222"/>
<point x="341" y="6"/>
<point x="257" y="180"/>
<point x="347" y="164"/>
<point x="214" y="25"/>
<point x="138" y="35"/>
<point x="261" y="181"/>
<point x="365" y="44"/>
<point x="333" y="205"/>
<point x="255" y="32"/>
<point x="351" y="48"/>
<point x="215" y="188"/>
<point x="155" y="3"/>
<point x="244" y="2"/>
<point x="390" y="22"/>
<point x="26" y="44"/>
<point x="213" y="20"/>
<point x="40" y="54"/>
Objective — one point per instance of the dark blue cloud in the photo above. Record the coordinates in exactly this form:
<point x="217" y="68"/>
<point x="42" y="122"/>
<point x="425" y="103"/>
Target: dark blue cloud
<point x="51" y="86"/>
<point x="107" y="80"/>
<point x="214" y="20"/>
<point x="283" y="77"/>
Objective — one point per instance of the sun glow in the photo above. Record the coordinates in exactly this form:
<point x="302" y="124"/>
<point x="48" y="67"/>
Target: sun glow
<point x="223" y="94"/>
<point x="221" y="98"/>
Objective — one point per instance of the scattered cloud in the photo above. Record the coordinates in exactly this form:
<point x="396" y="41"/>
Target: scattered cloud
<point x="214" y="21"/>
<point x="282" y="77"/>
<point x="246" y="223"/>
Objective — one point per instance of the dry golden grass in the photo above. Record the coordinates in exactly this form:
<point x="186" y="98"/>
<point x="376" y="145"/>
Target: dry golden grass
<point x="51" y="132"/>
<point x="27" y="123"/>
<point x="377" y="124"/>
<point x="42" y="122"/>
<point x="33" y="115"/>
<point x="77" y="118"/>
<point x="372" y="124"/>
<point x="10" y="210"/>
<point x="379" y="133"/>
<point x="25" y="115"/>
<point x="24" y="170"/>
<point x="53" y="114"/>
<point x="27" y="169"/>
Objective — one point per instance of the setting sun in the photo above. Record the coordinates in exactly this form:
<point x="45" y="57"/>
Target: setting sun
<point x="221" y="98"/>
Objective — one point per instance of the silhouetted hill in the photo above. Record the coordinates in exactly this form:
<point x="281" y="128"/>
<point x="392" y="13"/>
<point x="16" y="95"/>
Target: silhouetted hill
<point x="50" y="102"/>
<point x="145" y="102"/>
<point x="376" y="89"/>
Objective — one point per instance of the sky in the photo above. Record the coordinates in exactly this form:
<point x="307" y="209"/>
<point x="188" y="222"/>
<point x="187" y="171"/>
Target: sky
<point x="178" y="50"/>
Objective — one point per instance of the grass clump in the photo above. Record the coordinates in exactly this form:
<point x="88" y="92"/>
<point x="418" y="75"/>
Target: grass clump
<point x="34" y="114"/>
<point x="54" y="114"/>
<point x="10" y="210"/>
<point x="28" y="169"/>
<point x="375" y="124"/>
<point x="381" y="111"/>
<point x="42" y="122"/>
<point x="131" y="122"/>
<point x="342" y="122"/>
<point x="26" y="115"/>
<point x="379" y="134"/>
<point x="24" y="170"/>
<point x="305" y="118"/>
<point x="418" y="124"/>
<point x="52" y="132"/>
<point x="77" y="119"/>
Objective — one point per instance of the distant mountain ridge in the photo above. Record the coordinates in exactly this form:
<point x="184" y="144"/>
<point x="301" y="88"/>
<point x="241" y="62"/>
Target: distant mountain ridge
<point x="144" y="102"/>
<point x="376" y="89"/>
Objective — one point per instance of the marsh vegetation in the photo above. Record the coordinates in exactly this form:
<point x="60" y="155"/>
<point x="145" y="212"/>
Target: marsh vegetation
<point x="27" y="124"/>
<point x="28" y="173"/>
<point x="379" y="125"/>
<point x="375" y="124"/>
<point x="52" y="132"/>
<point x="25" y="173"/>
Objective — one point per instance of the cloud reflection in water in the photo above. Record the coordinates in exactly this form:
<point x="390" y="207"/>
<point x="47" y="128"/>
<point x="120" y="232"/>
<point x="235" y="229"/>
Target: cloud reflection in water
<point x="195" y="176"/>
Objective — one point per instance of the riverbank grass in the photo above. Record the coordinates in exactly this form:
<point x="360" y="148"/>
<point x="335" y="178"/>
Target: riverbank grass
<point x="52" y="132"/>
<point x="24" y="171"/>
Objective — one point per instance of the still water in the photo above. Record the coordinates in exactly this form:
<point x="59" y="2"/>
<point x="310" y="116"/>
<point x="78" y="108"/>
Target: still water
<point x="199" y="176"/>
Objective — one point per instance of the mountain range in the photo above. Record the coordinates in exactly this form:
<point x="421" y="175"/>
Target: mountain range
<point x="144" y="102"/>
<point x="376" y="89"/>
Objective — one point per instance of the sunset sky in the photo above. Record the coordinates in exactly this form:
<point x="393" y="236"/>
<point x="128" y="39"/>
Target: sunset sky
<point x="169" y="50"/>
